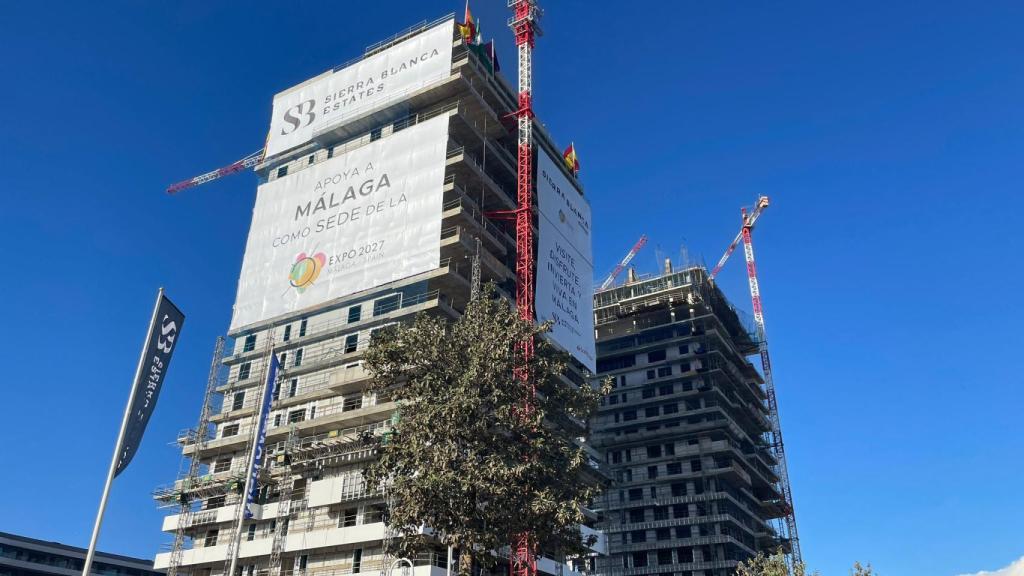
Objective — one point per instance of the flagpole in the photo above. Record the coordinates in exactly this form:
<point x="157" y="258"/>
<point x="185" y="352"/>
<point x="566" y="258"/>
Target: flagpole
<point x="120" y="439"/>
<point x="236" y="538"/>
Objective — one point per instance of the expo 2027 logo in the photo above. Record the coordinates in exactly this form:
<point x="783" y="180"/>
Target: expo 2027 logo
<point x="306" y="270"/>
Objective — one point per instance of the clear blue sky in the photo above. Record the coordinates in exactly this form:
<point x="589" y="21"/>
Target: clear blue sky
<point x="889" y="136"/>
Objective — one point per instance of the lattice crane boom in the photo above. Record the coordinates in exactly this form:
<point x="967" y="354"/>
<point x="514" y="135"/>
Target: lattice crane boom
<point x="625" y="261"/>
<point x="233" y="168"/>
<point x="762" y="203"/>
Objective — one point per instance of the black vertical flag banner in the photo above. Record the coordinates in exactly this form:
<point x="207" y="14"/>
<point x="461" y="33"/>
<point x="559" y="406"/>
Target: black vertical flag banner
<point x="163" y="336"/>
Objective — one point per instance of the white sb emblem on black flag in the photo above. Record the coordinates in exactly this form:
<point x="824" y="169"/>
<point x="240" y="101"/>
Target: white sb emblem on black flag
<point x="163" y="336"/>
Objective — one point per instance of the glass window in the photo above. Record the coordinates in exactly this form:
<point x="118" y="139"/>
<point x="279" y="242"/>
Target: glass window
<point x="357" y="560"/>
<point x="287" y="332"/>
<point x="348" y="517"/>
<point x="302" y="327"/>
<point x="656" y="356"/>
<point x="351" y="343"/>
<point x="654" y="451"/>
<point x="293" y="387"/>
<point x="250" y="343"/>
<point x="238" y="400"/>
<point x="229" y="430"/>
<point x="296" y="416"/>
<point x="244" y="370"/>
<point x="298" y="358"/>
<point x="386" y="304"/>
<point x="636" y="515"/>
<point x="354" y="313"/>
<point x="282" y="171"/>
<point x="664" y="371"/>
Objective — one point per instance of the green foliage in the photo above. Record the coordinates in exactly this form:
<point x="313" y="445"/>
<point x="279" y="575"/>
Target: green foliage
<point x="859" y="570"/>
<point x="464" y="458"/>
<point x="773" y="565"/>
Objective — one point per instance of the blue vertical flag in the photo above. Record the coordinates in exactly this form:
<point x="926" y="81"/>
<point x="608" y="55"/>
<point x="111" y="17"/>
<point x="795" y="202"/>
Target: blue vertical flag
<point x="261" y="434"/>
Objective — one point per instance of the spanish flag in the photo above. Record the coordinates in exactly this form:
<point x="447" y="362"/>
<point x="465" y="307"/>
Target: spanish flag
<point x="467" y="28"/>
<point x="571" y="161"/>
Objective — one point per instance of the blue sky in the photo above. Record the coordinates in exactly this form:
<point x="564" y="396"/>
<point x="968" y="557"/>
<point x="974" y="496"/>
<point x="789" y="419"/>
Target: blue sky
<point x="889" y="136"/>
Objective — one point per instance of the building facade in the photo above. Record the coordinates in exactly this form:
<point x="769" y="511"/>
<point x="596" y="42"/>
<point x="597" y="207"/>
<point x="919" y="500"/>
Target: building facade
<point x="22" y="556"/>
<point x="313" y="513"/>
<point x="684" y="431"/>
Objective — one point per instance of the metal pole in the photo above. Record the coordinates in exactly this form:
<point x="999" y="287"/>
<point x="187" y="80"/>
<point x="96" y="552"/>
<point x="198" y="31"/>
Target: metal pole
<point x="120" y="440"/>
<point x="237" y="536"/>
<point x="448" y="565"/>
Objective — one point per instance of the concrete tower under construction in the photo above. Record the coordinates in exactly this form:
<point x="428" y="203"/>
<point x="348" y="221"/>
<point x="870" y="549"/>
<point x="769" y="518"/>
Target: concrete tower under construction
<point x="685" y="431"/>
<point x="372" y="207"/>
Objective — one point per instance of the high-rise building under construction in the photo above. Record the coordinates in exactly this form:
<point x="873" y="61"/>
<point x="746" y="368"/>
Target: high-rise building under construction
<point x="685" y="431"/>
<point x="375" y="189"/>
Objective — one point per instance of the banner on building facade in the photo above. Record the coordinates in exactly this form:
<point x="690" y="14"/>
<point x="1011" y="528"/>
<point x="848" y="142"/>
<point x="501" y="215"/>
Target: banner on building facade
<point x="565" y="268"/>
<point x="156" y="357"/>
<point x="375" y="81"/>
<point x="259" y="446"/>
<point x="350" y="223"/>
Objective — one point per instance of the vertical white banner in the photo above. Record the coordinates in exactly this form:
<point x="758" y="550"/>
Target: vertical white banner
<point x="565" y="268"/>
<point x="334" y="97"/>
<point x="353" y="222"/>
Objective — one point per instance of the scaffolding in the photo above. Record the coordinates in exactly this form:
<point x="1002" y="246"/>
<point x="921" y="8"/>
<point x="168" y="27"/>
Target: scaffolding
<point x="187" y="499"/>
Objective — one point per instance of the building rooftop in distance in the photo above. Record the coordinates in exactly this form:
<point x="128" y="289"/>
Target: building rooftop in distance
<point x="24" y="556"/>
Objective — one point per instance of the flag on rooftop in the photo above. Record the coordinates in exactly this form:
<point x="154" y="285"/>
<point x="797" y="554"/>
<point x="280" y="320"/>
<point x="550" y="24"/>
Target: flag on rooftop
<point x="468" y="27"/>
<point x="572" y="162"/>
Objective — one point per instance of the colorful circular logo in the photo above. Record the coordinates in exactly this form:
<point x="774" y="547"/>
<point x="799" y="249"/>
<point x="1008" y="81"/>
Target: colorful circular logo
<point x="306" y="270"/>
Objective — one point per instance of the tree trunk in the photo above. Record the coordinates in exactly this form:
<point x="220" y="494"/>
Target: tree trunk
<point x="465" y="564"/>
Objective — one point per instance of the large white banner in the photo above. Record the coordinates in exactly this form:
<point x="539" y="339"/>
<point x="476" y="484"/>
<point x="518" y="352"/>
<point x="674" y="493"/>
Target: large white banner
<point x="359" y="220"/>
<point x="372" y="82"/>
<point x="565" y="267"/>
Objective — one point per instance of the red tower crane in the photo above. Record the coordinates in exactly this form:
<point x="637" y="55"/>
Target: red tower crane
<point x="523" y="561"/>
<point x="778" y="447"/>
<point x="629" y="256"/>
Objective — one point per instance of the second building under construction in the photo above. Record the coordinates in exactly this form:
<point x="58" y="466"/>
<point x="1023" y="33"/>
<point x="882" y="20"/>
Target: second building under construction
<point x="685" y="431"/>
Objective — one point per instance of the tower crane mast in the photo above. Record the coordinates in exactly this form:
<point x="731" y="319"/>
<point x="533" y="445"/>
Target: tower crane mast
<point x="524" y="25"/>
<point x="778" y="447"/>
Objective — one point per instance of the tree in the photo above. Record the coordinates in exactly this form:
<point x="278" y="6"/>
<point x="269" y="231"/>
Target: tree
<point x="464" y="458"/>
<point x="773" y="565"/>
<point x="859" y="570"/>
